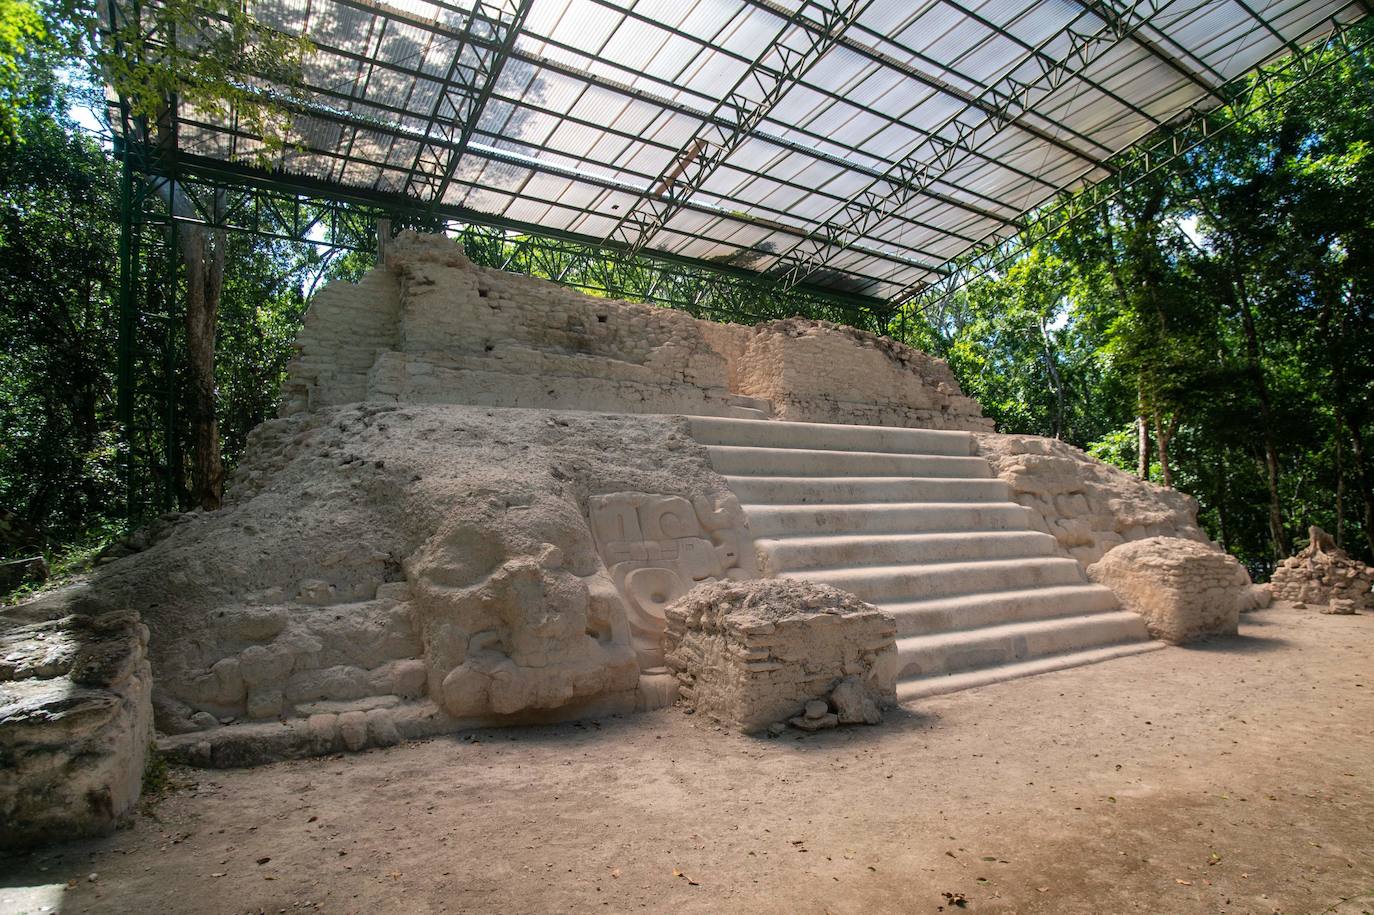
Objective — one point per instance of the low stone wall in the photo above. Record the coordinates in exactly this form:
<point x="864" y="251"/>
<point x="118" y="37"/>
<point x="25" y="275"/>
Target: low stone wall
<point x="1184" y="589"/>
<point x="815" y="371"/>
<point x="75" y="722"/>
<point x="752" y="654"/>
<point x="1089" y="506"/>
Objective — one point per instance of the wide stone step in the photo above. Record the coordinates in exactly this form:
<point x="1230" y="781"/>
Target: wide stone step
<point x="740" y="460"/>
<point x="886" y="584"/>
<point x="971" y="611"/>
<point x="712" y="430"/>
<point x="951" y="652"/>
<point x="885" y="517"/>
<point x="922" y="687"/>
<point x="835" y="551"/>
<point x="830" y="490"/>
<point x="889" y="584"/>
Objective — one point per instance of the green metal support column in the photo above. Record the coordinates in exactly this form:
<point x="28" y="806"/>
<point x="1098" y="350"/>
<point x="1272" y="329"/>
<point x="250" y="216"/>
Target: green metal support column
<point x="124" y="376"/>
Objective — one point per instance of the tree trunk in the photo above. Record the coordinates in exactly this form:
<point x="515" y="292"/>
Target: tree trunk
<point x="1142" y="447"/>
<point x="202" y="251"/>
<point x="1222" y="496"/>
<point x="1055" y="380"/>
<point x="1162" y="437"/>
<point x="1366" y="489"/>
<point x="1255" y="370"/>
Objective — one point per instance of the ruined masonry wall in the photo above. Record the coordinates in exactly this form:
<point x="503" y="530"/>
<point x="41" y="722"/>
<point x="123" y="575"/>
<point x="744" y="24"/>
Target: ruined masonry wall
<point x="431" y="327"/>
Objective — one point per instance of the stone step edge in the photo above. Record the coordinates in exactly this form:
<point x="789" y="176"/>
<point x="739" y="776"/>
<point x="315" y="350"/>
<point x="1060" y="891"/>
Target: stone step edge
<point x="879" y="506"/>
<point x="943" y="566"/>
<point x="997" y="631"/>
<point x="956" y="601"/>
<point x="858" y="537"/>
<point x="915" y="688"/>
<point x="977" y="467"/>
<point x="987" y="482"/>
<point x="716" y="427"/>
<point x="255" y="742"/>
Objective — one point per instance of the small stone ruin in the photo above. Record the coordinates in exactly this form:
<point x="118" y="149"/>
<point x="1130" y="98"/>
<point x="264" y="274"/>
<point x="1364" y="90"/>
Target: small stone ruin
<point x="1325" y="576"/>
<point x="752" y="654"/>
<point x="1185" y="590"/>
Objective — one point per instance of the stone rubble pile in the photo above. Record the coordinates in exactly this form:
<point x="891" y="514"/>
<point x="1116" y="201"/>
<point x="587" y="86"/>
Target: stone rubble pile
<point x="753" y="653"/>
<point x="1325" y="576"/>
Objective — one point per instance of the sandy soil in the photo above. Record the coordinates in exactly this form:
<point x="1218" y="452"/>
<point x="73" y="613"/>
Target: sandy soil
<point x="1233" y="777"/>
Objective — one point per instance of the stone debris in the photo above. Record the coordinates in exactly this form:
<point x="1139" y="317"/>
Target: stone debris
<point x="1324" y="576"/>
<point x="753" y="653"/>
<point x="75" y="722"/>
<point x="1184" y="589"/>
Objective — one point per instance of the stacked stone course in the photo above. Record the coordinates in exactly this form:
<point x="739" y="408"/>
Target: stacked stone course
<point x="431" y="327"/>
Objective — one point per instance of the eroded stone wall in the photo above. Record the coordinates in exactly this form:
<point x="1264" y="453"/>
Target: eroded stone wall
<point x="430" y="327"/>
<point x="385" y="571"/>
<point x="815" y="371"/>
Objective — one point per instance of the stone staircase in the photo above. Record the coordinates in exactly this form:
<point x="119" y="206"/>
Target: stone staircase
<point x="913" y="521"/>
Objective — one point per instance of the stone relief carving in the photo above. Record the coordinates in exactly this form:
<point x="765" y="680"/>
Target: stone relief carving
<point x="656" y="548"/>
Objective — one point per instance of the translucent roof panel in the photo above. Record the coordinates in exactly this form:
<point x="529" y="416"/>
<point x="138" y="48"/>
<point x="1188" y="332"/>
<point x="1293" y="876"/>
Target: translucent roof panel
<point x="856" y="146"/>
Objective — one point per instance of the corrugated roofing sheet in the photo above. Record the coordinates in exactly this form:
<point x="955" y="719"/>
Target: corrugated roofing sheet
<point x="861" y="143"/>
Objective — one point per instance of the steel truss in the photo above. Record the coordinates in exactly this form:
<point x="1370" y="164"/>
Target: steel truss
<point x="748" y="102"/>
<point x="1244" y="96"/>
<point x="996" y="109"/>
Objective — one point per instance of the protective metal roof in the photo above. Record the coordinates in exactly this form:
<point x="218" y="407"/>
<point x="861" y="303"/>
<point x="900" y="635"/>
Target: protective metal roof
<point x="855" y="145"/>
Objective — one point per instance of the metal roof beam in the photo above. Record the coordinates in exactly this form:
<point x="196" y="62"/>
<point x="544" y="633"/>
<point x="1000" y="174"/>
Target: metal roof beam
<point x="1251" y="93"/>
<point x="968" y="98"/>
<point x="1107" y="12"/>
<point x="395" y="111"/>
<point x="456" y="114"/>
<point x="874" y="204"/>
<point x="205" y="167"/>
<point x="749" y="101"/>
<point x="602" y="82"/>
<point x="349" y="119"/>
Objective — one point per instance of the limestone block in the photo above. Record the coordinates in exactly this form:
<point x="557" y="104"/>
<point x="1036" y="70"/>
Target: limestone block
<point x="1184" y="589"/>
<point x="752" y="653"/>
<point x="75" y="724"/>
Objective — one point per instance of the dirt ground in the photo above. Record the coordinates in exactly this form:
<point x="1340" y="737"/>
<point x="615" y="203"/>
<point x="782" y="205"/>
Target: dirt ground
<point x="1237" y="776"/>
